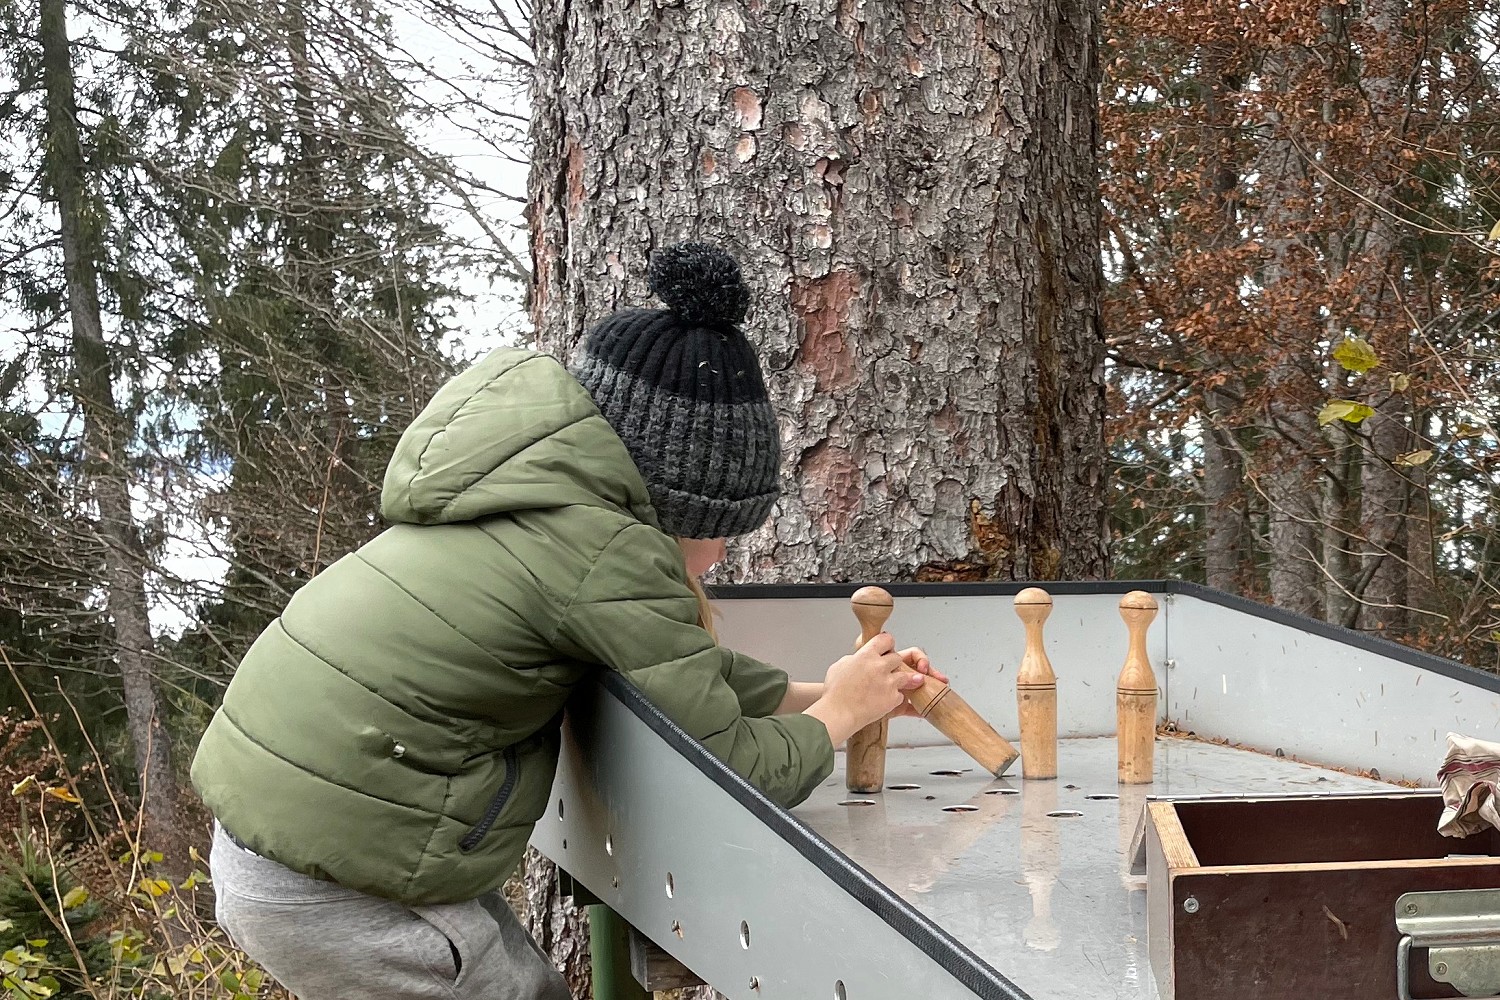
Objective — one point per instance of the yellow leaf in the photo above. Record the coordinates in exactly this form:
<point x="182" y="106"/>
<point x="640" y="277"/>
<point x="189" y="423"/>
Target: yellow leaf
<point x="64" y="794"/>
<point x="1356" y="354"/>
<point x="1495" y="233"/>
<point x="23" y="786"/>
<point x="1343" y="409"/>
<point x="1400" y="382"/>
<point x="155" y="886"/>
<point x="75" y="898"/>
<point x="1415" y="457"/>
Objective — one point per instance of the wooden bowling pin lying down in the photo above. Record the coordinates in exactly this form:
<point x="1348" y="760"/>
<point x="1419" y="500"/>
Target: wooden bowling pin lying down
<point x="1036" y="690"/>
<point x="1135" y="696"/>
<point x="934" y="701"/>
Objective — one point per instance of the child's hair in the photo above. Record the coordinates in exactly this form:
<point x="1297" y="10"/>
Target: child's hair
<point x="705" y="609"/>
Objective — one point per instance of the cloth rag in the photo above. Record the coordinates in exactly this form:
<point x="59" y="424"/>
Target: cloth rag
<point x="1470" y="780"/>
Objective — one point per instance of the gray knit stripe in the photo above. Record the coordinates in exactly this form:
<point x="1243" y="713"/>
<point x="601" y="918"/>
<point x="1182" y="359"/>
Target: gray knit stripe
<point x="711" y="468"/>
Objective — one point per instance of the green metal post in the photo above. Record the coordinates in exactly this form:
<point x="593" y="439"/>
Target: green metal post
<point x="609" y="954"/>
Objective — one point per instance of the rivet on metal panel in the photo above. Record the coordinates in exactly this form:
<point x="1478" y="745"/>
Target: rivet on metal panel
<point x="744" y="934"/>
<point x="1171" y="662"/>
<point x="609" y="845"/>
<point x="671" y="886"/>
<point x="1190" y="905"/>
<point x="755" y="982"/>
<point x="839" y="993"/>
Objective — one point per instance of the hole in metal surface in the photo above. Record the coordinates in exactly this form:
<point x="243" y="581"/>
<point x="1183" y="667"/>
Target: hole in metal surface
<point x="1003" y="791"/>
<point x="903" y="788"/>
<point x="1065" y="814"/>
<point x="615" y="881"/>
<point x="857" y="802"/>
<point x="839" y="993"/>
<point x="559" y="809"/>
<point x="565" y="843"/>
<point x="946" y="773"/>
<point x="1101" y="797"/>
<point x="960" y="809"/>
<point x="744" y="935"/>
<point x="671" y="886"/>
<point x="677" y="928"/>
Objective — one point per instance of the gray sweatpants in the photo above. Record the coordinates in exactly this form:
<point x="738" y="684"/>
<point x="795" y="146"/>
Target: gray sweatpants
<point x="325" y="942"/>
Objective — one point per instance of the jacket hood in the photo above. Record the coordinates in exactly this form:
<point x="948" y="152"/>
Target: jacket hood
<point x="514" y="432"/>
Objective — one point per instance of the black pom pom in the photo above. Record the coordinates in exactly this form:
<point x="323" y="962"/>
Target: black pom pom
<point x="701" y="283"/>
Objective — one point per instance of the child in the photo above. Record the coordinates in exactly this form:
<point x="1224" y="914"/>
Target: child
<point x="387" y="744"/>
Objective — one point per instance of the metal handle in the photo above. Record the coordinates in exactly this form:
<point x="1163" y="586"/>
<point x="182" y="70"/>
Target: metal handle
<point x="1403" y="971"/>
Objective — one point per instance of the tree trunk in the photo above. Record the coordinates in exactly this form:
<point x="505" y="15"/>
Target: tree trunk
<point x="912" y="193"/>
<point x="1223" y="472"/>
<point x="1225" y="515"/>
<point x="1291" y="497"/>
<point x="1287" y="453"/>
<point x="1387" y="495"/>
<point x="106" y="437"/>
<point x="1339" y="582"/>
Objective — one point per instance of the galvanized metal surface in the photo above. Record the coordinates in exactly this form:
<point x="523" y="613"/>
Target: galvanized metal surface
<point x="1269" y="685"/>
<point x="977" y="641"/>
<point x="1048" y="901"/>
<point x="1038" y="882"/>
<point x="1462" y="929"/>
<point x="680" y="858"/>
<point x="1221" y="671"/>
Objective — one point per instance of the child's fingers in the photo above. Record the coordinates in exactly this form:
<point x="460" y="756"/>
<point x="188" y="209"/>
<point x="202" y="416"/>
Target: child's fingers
<point x="918" y="661"/>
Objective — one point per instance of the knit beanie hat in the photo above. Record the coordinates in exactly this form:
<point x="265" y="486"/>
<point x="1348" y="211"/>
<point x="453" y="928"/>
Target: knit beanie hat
<point x="683" y="389"/>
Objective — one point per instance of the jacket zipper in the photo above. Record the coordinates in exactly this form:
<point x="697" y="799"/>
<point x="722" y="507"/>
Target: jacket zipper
<point x="497" y="804"/>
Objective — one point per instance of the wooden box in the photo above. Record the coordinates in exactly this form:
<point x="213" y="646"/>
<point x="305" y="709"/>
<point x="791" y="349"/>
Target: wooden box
<point x="1294" y="898"/>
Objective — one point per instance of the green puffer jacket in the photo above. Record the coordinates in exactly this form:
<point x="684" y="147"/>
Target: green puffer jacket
<point x="395" y="728"/>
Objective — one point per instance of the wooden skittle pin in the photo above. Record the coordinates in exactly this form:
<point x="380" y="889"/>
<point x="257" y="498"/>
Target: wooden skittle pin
<point x="1135" y="695"/>
<point x="864" y="769"/>
<point x="1036" y="690"/>
<point x="934" y="701"/>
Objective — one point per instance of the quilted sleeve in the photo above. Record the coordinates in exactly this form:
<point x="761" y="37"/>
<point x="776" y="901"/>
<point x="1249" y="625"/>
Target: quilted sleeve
<point x="635" y="613"/>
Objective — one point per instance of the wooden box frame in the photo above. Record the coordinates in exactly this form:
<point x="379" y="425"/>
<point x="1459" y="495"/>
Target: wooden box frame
<point x="1282" y="898"/>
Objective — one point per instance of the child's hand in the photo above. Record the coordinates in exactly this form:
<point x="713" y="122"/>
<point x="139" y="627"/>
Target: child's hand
<point x="865" y="686"/>
<point x="918" y="661"/>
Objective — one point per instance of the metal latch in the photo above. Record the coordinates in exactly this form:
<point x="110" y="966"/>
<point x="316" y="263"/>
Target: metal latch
<point x="1461" y="930"/>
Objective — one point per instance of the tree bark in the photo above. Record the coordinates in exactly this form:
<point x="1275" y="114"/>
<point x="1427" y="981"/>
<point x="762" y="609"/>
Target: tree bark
<point x="1224" y="516"/>
<point x="912" y="193"/>
<point x="106" y="436"/>
<point x="1223" y="470"/>
<point x="1287" y="453"/>
<point x="1387" y="495"/>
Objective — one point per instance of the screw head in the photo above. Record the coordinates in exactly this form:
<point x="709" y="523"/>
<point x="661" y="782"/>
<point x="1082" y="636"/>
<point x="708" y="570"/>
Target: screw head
<point x="1411" y="909"/>
<point x="1442" y="968"/>
<point x="755" y="982"/>
<point x="1190" y="904"/>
